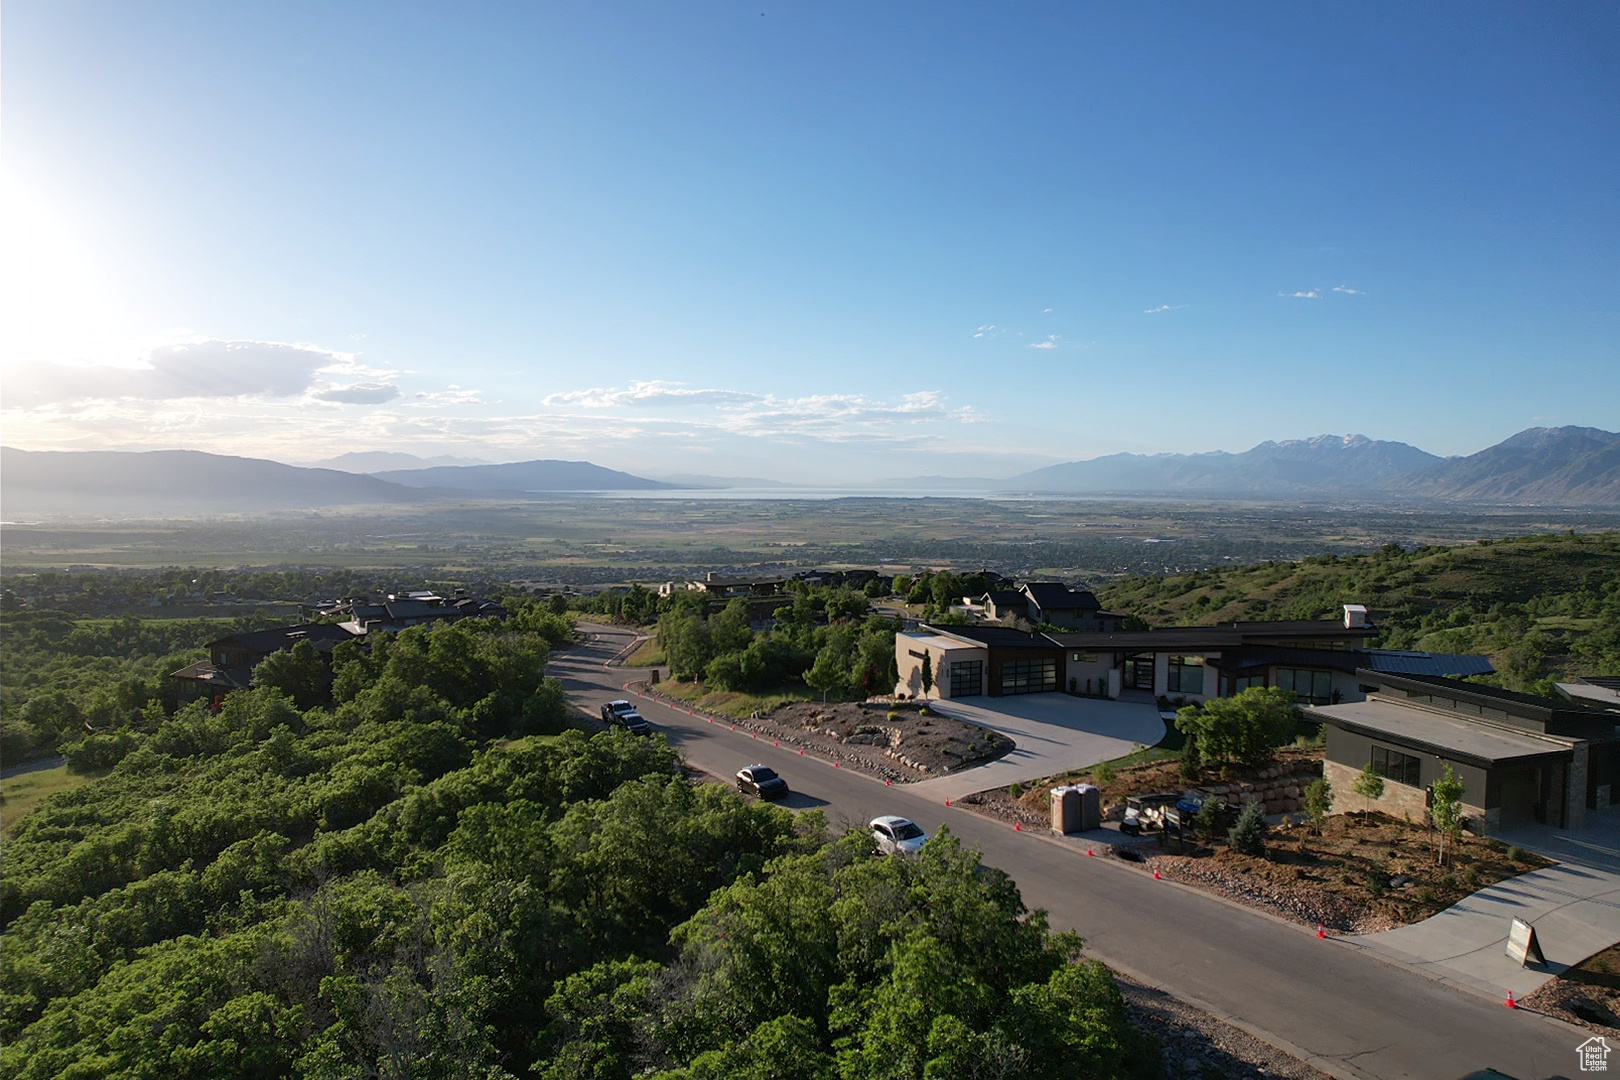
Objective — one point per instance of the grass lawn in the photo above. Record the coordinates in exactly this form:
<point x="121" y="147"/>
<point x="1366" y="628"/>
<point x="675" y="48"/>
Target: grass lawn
<point x="650" y="654"/>
<point x="732" y="703"/>
<point x="20" y="794"/>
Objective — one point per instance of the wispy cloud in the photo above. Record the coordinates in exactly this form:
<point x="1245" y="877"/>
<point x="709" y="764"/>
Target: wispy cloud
<point x="360" y="394"/>
<point x="654" y="393"/>
<point x="1348" y="290"/>
<point x="1311" y="294"/>
<point x="1046" y="311"/>
<point x="987" y="328"/>
<point x="834" y="417"/>
<point x="1051" y="342"/>
<point x="1163" y="308"/>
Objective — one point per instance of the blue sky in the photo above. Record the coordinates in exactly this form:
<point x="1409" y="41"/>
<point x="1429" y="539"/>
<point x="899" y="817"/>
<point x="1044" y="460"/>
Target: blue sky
<point x="816" y="242"/>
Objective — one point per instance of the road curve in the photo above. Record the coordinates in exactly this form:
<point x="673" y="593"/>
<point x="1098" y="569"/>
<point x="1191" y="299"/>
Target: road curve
<point x="1343" y="1011"/>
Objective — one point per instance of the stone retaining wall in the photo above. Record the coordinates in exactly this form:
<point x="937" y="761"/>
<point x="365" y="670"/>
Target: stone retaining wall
<point x="1280" y="787"/>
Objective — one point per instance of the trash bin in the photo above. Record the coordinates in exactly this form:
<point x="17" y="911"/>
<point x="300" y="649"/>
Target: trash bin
<point x="1076" y="808"/>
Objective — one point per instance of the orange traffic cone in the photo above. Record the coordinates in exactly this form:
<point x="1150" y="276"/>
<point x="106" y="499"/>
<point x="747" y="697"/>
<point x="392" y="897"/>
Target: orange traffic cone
<point x="801" y="753"/>
<point x="1321" y="931"/>
<point x="888" y="783"/>
<point x="1093" y="854"/>
<point x="1018" y="826"/>
<point x="1155" y="873"/>
<point x="1510" y="1003"/>
<point x="947" y="802"/>
<point x="835" y="764"/>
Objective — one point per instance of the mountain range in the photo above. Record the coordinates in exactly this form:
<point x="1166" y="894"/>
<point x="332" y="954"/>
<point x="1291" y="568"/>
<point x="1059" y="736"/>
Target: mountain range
<point x="1568" y="466"/>
<point x="158" y="482"/>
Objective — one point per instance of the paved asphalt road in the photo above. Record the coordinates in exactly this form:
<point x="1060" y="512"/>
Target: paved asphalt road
<point x="1345" y="1012"/>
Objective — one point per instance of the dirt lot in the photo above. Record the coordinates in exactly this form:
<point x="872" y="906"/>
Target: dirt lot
<point x="901" y="742"/>
<point x="1358" y="875"/>
<point x="1587" y="994"/>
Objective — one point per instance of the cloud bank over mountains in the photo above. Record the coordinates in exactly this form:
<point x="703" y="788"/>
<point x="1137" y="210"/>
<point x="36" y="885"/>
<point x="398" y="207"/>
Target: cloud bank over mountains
<point x="302" y="402"/>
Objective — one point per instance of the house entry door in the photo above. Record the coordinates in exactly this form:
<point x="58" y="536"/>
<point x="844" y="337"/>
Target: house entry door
<point x="1139" y="673"/>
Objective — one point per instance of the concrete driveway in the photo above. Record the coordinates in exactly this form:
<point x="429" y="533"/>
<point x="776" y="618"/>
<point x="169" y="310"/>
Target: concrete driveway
<point x="1053" y="733"/>
<point x="1574" y="906"/>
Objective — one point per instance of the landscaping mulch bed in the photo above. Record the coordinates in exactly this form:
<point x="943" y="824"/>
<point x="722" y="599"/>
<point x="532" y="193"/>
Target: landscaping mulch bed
<point x="1587" y="994"/>
<point x="901" y="742"/>
<point x="1358" y="876"/>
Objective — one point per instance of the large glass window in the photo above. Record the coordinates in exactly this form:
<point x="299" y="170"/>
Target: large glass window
<point x="1314" y="687"/>
<point x="1396" y="766"/>
<point x="1029" y="676"/>
<point x="1186" y="675"/>
<point x="967" y="678"/>
<point x="1241" y="683"/>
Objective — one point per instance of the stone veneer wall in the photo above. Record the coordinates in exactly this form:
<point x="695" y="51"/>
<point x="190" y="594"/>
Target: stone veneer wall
<point x="1398" y="799"/>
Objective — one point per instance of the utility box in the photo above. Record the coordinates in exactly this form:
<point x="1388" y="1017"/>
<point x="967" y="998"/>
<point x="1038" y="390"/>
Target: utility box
<point x="1077" y="808"/>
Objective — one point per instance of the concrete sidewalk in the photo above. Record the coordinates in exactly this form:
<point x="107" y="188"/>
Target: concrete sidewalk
<point x="1574" y="908"/>
<point x="1053" y="732"/>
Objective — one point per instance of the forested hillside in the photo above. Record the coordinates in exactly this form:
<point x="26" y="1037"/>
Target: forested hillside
<point x="1542" y="607"/>
<point x="439" y="875"/>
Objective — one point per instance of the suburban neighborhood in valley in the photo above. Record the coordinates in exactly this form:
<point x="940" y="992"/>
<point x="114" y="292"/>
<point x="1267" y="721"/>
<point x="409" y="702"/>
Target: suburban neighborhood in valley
<point x="941" y="541"/>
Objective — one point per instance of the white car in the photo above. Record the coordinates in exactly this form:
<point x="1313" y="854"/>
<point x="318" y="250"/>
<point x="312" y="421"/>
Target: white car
<point x="897" y="836"/>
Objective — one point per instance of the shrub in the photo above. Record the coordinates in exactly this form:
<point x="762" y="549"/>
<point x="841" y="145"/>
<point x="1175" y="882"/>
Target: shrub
<point x="1189" y="765"/>
<point x="1248" y="836"/>
<point x="1514" y="854"/>
<point x="1369" y="785"/>
<point x="893" y="715"/>
<point x="1318" y="800"/>
<point x="1241" y="730"/>
<point x="1211" y="820"/>
<point x="1104" y="774"/>
<point x="1015" y="789"/>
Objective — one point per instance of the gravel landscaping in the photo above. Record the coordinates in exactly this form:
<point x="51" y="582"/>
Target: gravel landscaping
<point x="1587" y="994"/>
<point x="1197" y="1046"/>
<point x="1359" y="874"/>
<point x="901" y="742"/>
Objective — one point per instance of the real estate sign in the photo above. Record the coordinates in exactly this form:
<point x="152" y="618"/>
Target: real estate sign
<point x="1522" y="944"/>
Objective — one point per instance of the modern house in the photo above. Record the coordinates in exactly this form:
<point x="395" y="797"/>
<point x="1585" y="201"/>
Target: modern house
<point x="231" y="660"/>
<point x="1049" y="603"/>
<point x="1316" y="659"/>
<point x="1522" y="759"/>
<point x="403" y="611"/>
<point x="720" y="587"/>
<point x="1053" y="603"/>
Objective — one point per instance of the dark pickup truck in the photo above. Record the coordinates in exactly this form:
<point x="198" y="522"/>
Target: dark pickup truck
<point x="623" y="714"/>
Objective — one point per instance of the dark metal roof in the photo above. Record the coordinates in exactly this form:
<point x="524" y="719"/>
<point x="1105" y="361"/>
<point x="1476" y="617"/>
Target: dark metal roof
<point x="322" y="635"/>
<point x="1056" y="596"/>
<point x="1197" y="638"/>
<point x="1302" y="628"/>
<point x="1001" y="637"/>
